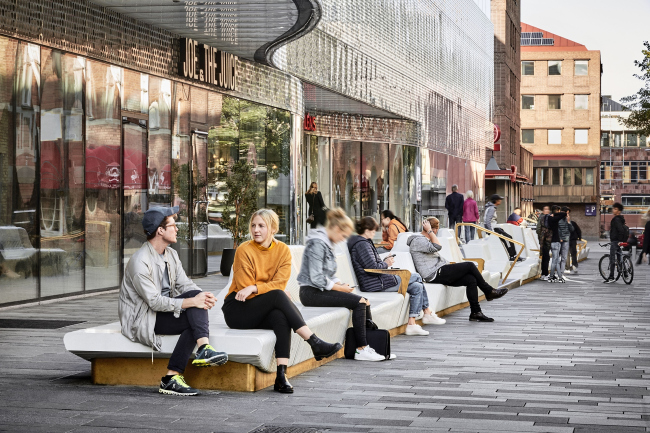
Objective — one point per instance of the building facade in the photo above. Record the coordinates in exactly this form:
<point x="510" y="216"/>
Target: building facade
<point x="560" y="123"/>
<point x="511" y="177"/>
<point x="124" y="108"/>
<point x="624" y="167"/>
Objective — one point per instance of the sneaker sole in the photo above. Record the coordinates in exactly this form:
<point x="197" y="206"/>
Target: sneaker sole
<point x="211" y="362"/>
<point x="181" y="394"/>
<point x="483" y="321"/>
<point x="434" y="323"/>
<point x="338" y="347"/>
<point x="371" y="360"/>
<point x="417" y="334"/>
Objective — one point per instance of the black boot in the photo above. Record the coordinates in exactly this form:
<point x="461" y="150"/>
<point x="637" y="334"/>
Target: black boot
<point x="322" y="349"/>
<point x="282" y="385"/>
<point x="479" y="317"/>
<point x="371" y="325"/>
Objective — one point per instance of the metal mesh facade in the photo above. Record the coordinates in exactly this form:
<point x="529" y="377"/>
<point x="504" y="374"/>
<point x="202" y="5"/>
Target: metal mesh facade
<point x="92" y="31"/>
<point x="428" y="61"/>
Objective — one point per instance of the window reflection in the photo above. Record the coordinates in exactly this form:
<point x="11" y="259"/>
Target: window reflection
<point x="346" y="176"/>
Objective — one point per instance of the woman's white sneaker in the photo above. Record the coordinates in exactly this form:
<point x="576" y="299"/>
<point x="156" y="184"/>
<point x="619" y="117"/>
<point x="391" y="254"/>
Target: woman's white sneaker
<point x="368" y="354"/>
<point x="433" y="319"/>
<point x="415" y="330"/>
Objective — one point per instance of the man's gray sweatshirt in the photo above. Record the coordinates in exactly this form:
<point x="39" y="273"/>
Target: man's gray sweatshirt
<point x="425" y="255"/>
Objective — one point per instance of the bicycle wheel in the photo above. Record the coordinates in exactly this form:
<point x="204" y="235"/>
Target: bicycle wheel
<point x="603" y="266"/>
<point x="628" y="269"/>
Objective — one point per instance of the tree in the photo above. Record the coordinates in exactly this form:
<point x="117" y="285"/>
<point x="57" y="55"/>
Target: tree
<point x="240" y="201"/>
<point x="640" y="102"/>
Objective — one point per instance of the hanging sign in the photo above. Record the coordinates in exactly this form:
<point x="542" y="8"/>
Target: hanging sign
<point x="310" y="123"/>
<point x="206" y="64"/>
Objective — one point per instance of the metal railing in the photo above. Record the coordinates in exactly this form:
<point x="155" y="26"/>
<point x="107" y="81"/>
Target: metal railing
<point x="480" y="229"/>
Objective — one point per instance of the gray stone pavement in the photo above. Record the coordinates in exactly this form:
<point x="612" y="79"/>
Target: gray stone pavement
<point x="558" y="358"/>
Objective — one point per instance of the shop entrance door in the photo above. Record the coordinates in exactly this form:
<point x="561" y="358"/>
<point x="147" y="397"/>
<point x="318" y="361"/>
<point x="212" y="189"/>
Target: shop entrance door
<point x="199" y="200"/>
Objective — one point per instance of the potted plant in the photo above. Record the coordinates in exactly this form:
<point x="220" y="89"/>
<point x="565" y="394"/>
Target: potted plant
<point x="239" y="204"/>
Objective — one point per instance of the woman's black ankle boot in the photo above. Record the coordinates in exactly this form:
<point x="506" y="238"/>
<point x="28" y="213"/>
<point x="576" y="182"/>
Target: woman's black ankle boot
<point x="322" y="349"/>
<point x="281" y="383"/>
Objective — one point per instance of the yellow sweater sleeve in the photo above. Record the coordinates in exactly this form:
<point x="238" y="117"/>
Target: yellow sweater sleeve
<point x="279" y="279"/>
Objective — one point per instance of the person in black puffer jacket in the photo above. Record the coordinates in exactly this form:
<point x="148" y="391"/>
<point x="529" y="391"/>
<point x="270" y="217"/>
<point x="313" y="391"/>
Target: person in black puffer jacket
<point x="364" y="256"/>
<point x="576" y="235"/>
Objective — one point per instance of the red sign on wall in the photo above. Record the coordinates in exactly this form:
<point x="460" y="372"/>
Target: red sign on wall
<point x="310" y="122"/>
<point x="497" y="133"/>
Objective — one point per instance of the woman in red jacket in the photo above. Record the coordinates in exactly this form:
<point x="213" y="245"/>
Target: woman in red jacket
<point x="470" y="215"/>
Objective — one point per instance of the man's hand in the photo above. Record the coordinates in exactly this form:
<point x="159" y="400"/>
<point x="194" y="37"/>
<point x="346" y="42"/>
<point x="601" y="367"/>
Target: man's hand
<point x="245" y="293"/>
<point x="204" y="300"/>
<point x="390" y="261"/>
<point x="426" y="226"/>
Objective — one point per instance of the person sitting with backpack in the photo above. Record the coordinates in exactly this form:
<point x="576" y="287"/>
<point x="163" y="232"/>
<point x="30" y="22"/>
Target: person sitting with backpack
<point x="544" y="234"/>
<point x="515" y="217"/>
<point x="618" y="232"/>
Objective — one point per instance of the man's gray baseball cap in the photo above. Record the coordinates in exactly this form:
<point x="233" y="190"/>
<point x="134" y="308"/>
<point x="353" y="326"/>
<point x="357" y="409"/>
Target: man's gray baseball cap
<point x="154" y="216"/>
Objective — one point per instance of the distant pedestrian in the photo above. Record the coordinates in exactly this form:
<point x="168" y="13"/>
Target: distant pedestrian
<point x="576" y="235"/>
<point x="470" y="215"/>
<point x="316" y="210"/>
<point x="645" y="249"/>
<point x="515" y="217"/>
<point x="618" y="232"/>
<point x="454" y="205"/>
<point x="544" y="234"/>
<point x="559" y="243"/>
<point x="490" y="221"/>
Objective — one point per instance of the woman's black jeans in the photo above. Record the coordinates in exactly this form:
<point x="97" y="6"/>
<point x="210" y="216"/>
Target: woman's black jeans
<point x="192" y="324"/>
<point x="313" y="297"/>
<point x="272" y="310"/>
<point x="464" y="274"/>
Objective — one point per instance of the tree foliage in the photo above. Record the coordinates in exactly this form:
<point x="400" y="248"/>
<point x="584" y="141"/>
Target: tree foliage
<point x="240" y="201"/>
<point x="639" y="103"/>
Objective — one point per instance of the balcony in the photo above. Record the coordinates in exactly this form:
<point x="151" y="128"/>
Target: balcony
<point x="566" y="194"/>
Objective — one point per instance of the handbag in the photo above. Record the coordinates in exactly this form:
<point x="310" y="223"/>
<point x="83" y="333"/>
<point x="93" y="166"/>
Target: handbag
<point x="310" y="218"/>
<point x="378" y="339"/>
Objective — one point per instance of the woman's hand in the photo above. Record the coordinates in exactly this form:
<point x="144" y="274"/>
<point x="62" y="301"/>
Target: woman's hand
<point x="245" y="293"/>
<point x="426" y="226"/>
<point x="390" y="261"/>
<point x="343" y="288"/>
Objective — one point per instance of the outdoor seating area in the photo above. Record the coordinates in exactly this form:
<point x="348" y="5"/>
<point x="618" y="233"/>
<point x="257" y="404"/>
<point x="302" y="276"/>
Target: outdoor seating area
<point x="251" y="352"/>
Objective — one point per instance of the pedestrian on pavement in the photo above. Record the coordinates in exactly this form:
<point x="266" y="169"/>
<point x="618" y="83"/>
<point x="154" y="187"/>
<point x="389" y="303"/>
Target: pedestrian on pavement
<point x="157" y="298"/>
<point x="544" y="234"/>
<point x="257" y="299"/>
<point x="576" y="235"/>
<point x="454" y="205"/>
<point x="490" y="221"/>
<point x="470" y="215"/>
<point x="316" y="210"/>
<point x="515" y="217"/>
<point x="645" y="248"/>
<point x="364" y="256"/>
<point x="320" y="287"/>
<point x="435" y="269"/>
<point x="559" y="244"/>
<point x="391" y="226"/>
<point x="618" y="232"/>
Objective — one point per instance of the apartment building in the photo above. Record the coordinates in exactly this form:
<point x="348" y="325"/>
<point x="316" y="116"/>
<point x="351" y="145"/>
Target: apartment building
<point x="624" y="166"/>
<point x="560" y="122"/>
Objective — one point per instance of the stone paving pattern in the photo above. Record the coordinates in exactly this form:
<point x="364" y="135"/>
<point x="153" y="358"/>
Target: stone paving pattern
<point x="558" y="358"/>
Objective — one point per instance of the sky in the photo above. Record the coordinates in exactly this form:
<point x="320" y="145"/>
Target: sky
<point x="616" y="28"/>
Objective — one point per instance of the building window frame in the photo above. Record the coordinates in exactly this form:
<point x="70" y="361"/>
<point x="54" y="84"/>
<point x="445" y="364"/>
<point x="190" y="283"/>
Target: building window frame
<point x="525" y="102"/>
<point x="581" y="102"/>
<point x="554" y="67"/>
<point x="581" y="136"/>
<point x="527" y="68"/>
<point x="554" y="102"/>
<point x="581" y="68"/>
<point x="554" y="136"/>
<point x="528" y="136"/>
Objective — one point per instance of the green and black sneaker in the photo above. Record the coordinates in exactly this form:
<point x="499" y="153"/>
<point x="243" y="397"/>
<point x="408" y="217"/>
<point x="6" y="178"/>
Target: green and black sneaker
<point x="176" y="386"/>
<point x="206" y="356"/>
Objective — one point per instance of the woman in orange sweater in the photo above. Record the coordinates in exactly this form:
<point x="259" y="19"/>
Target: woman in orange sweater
<point x="256" y="298"/>
<point x="391" y="226"/>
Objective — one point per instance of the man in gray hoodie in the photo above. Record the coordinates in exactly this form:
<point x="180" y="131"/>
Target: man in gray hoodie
<point x="435" y="269"/>
<point x="157" y="298"/>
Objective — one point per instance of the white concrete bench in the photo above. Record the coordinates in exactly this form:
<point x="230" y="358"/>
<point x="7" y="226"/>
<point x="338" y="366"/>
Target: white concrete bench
<point x="497" y="260"/>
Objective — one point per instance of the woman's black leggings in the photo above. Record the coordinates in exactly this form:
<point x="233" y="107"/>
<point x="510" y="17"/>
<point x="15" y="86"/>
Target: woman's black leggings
<point x="464" y="274"/>
<point x="272" y="310"/>
<point x="313" y="297"/>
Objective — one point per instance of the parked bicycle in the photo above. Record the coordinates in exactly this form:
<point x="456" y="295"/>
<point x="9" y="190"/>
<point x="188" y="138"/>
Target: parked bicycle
<point x="623" y="264"/>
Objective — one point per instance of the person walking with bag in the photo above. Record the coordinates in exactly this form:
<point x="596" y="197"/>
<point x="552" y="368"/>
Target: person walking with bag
<point x="470" y="215"/>
<point x="319" y="286"/>
<point x="316" y="206"/>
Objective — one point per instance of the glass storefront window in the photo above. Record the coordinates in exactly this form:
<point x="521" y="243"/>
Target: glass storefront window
<point x="346" y="167"/>
<point x="374" y="178"/>
<point x="555" y="176"/>
<point x="567" y="178"/>
<point x="160" y="142"/>
<point x="589" y="176"/>
<point x="578" y="176"/>
<point x="277" y="142"/>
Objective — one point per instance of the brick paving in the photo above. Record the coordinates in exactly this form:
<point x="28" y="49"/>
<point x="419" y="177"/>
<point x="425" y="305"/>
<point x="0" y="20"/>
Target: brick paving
<point x="559" y="358"/>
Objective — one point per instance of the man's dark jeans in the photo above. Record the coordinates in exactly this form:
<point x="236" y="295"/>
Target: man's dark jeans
<point x="453" y="220"/>
<point x="545" y="250"/>
<point x="192" y="324"/>
<point x="613" y="249"/>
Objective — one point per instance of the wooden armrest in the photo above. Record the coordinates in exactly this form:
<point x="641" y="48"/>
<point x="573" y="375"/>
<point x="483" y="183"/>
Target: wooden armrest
<point x="404" y="274"/>
<point x="534" y="250"/>
<point x="479" y="262"/>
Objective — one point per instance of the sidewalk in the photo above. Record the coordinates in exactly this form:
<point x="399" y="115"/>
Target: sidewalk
<point x="559" y="358"/>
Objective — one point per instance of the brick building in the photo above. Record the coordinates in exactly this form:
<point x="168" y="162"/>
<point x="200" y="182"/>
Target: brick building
<point x="510" y="173"/>
<point x="624" y="167"/>
<point x="560" y="122"/>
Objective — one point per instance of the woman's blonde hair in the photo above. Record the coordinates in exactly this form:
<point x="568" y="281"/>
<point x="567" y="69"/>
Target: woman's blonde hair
<point x="337" y="218"/>
<point x="469" y="194"/>
<point x="435" y="222"/>
<point x="269" y="217"/>
<point x="646" y="215"/>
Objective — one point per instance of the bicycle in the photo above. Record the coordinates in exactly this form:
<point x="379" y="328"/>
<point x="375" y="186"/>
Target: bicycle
<point x="623" y="265"/>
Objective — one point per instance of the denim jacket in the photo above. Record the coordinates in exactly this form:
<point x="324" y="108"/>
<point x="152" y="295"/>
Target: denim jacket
<point x="318" y="264"/>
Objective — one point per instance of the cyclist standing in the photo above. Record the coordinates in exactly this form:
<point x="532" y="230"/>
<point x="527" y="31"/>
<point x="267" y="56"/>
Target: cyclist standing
<point x="618" y="232"/>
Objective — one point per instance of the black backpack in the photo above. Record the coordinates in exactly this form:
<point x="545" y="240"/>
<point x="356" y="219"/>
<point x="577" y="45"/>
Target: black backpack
<point x="378" y="339"/>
